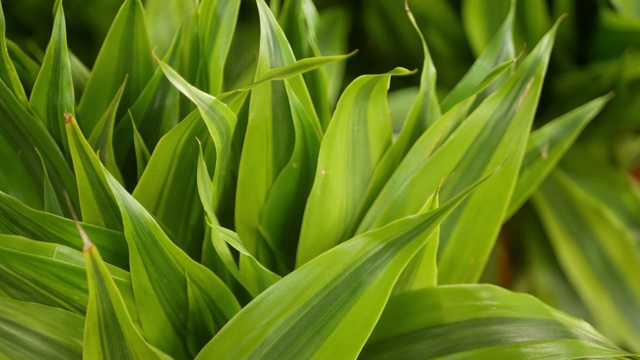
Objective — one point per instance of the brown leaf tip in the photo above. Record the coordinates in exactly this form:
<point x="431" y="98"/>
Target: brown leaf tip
<point x="68" y="118"/>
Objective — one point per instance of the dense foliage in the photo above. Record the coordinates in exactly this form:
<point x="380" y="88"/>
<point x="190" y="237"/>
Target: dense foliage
<point x="224" y="182"/>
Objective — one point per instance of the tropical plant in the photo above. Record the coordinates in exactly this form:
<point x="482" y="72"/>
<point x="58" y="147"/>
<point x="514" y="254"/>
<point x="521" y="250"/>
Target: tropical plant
<point x="205" y="192"/>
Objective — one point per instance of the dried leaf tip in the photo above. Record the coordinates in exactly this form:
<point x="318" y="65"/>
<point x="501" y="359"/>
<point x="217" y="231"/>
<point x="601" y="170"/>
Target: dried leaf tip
<point x="87" y="244"/>
<point x="406" y="6"/>
<point x="67" y="118"/>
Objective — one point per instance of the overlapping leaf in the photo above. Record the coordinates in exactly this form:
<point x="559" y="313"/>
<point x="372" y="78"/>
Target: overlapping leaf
<point x="18" y="219"/>
<point x="350" y="285"/>
<point x="495" y="133"/>
<point x="50" y="274"/>
<point x="96" y="200"/>
<point x="53" y="94"/>
<point x="8" y="74"/>
<point x="298" y="20"/>
<point x="270" y="148"/>
<point x="546" y="146"/>
<point x="357" y="138"/>
<point x="34" y="331"/>
<point x="164" y="304"/>
<point x="248" y="271"/>
<point x="603" y="271"/>
<point x="23" y="138"/>
<point x="216" y="24"/>
<point x="109" y="331"/>
<point x="125" y="51"/>
<point x="481" y="321"/>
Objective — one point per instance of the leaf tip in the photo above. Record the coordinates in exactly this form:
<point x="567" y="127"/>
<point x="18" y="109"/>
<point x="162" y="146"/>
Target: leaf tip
<point x="68" y="118"/>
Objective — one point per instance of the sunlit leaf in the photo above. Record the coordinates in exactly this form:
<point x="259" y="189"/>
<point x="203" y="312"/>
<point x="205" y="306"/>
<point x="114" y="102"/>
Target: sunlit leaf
<point x="357" y="138"/>
<point x="109" y="331"/>
<point x="161" y="291"/>
<point x="351" y="284"/>
<point x="269" y="148"/>
<point x="546" y="146"/>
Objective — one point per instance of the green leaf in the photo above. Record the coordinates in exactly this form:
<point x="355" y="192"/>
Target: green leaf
<point x="422" y="271"/>
<point x="253" y="276"/>
<point x="269" y="150"/>
<point x="8" y="73"/>
<point x="298" y="20"/>
<point x="53" y="95"/>
<point x="423" y="113"/>
<point x="168" y="189"/>
<point x="495" y="133"/>
<point x="80" y="75"/>
<point x="23" y="138"/>
<point x="481" y="321"/>
<point x="415" y="161"/>
<point x="332" y="32"/>
<point x="26" y="67"/>
<point x="34" y="331"/>
<point x="546" y="146"/>
<point x="142" y="152"/>
<point x="109" y="331"/>
<point x="160" y="273"/>
<point x="216" y="24"/>
<point x="50" y="274"/>
<point x="218" y="118"/>
<point x="357" y="138"/>
<point x="51" y="204"/>
<point x="488" y="69"/>
<point x="96" y="200"/>
<point x="597" y="252"/>
<point x="18" y="219"/>
<point x="101" y="138"/>
<point x="287" y="71"/>
<point x="351" y="284"/>
<point x="125" y="51"/>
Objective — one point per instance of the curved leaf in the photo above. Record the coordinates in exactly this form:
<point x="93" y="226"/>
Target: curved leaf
<point x="268" y="149"/>
<point x="50" y="274"/>
<point x="481" y="321"/>
<point x="19" y="219"/>
<point x="160" y="277"/>
<point x="597" y="252"/>
<point x="357" y="137"/>
<point x="351" y="284"/>
<point x="33" y="331"/>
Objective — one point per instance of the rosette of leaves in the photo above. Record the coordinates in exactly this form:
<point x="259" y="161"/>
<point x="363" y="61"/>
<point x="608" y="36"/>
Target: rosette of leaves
<point x="177" y="202"/>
